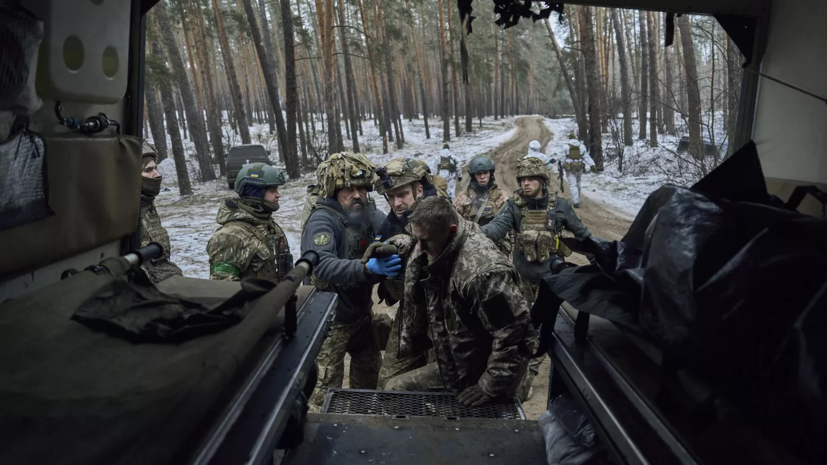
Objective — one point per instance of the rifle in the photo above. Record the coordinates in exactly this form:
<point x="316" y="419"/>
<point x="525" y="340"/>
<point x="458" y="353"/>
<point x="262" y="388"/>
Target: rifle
<point x="560" y="175"/>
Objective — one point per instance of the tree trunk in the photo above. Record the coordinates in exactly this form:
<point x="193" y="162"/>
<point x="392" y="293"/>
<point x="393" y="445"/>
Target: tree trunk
<point x="654" y="100"/>
<point x="235" y="89"/>
<point x="454" y="93"/>
<point x="595" y="136"/>
<point x="669" y="98"/>
<point x="155" y="114"/>
<point x="733" y="56"/>
<point x="423" y="98"/>
<point x="692" y="90"/>
<point x="496" y="71"/>
<point x="195" y="120"/>
<point x="578" y="110"/>
<point x="625" y="89"/>
<point x="268" y="46"/>
<point x="392" y="104"/>
<point x="292" y="91"/>
<point x="443" y="71"/>
<point x="579" y="75"/>
<point x="167" y="95"/>
<point x="644" y="76"/>
<point x="213" y="112"/>
<point x="377" y="95"/>
<point x="351" y="87"/>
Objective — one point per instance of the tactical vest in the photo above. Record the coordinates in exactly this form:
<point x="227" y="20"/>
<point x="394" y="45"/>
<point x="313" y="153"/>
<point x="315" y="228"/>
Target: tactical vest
<point x="538" y="238"/>
<point x="574" y="152"/>
<point x="488" y="211"/>
<point x="445" y="163"/>
<point x="357" y="237"/>
<point x="275" y="243"/>
<point x="152" y="231"/>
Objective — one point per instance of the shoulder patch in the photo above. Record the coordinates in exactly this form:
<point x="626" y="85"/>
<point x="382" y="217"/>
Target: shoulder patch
<point x="321" y="239"/>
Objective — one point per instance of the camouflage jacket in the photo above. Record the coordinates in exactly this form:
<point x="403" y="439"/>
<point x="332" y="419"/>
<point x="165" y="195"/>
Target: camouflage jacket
<point x="161" y="268"/>
<point x="467" y="202"/>
<point x="245" y="246"/>
<point x="470" y="299"/>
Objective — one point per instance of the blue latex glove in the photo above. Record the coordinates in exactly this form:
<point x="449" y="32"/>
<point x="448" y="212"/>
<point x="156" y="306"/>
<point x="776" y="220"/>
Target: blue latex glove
<point x="388" y="266"/>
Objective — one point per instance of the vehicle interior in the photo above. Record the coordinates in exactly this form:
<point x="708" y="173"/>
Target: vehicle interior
<point x="238" y="406"/>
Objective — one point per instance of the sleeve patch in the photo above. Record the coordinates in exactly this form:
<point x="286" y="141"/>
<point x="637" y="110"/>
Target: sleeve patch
<point x="321" y="239"/>
<point x="226" y="268"/>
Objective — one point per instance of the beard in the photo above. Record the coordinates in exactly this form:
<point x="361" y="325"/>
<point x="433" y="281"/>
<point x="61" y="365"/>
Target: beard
<point x="356" y="211"/>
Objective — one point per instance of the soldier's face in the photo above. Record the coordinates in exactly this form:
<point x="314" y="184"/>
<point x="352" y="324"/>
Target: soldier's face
<point x="352" y="199"/>
<point x="532" y="187"/>
<point x="483" y="177"/>
<point x="402" y="199"/>
<point x="150" y="170"/>
<point x="272" y="194"/>
<point x="433" y="241"/>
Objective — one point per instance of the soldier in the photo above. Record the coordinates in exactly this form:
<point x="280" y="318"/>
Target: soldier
<point x="161" y="268"/>
<point x="339" y="229"/>
<point x="576" y="161"/>
<point x="438" y="184"/>
<point x="534" y="150"/>
<point x="249" y="243"/>
<point x="449" y="169"/>
<point x="537" y="219"/>
<point x="483" y="198"/>
<point x="401" y="182"/>
<point x="467" y="294"/>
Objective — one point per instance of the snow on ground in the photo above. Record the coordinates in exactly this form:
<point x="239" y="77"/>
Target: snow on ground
<point x="190" y="220"/>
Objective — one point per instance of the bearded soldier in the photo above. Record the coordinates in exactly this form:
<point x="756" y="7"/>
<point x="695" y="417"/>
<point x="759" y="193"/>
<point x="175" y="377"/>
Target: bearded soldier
<point x="339" y="229"/>
<point x="249" y="243"/>
<point x="537" y="219"/>
<point x="401" y="182"/>
<point x="449" y="169"/>
<point x="160" y="268"/>
<point x="466" y="295"/>
<point x="483" y="198"/>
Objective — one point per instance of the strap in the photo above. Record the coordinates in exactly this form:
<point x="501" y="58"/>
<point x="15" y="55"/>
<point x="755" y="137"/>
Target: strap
<point x="482" y="206"/>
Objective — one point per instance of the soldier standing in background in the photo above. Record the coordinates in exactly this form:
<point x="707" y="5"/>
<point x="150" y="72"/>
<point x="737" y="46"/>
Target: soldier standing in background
<point x="537" y="218"/>
<point x="449" y="169"/>
<point x="467" y="294"/>
<point x="249" y="243"/>
<point x="161" y="268"/>
<point x="483" y="198"/>
<point x="339" y="229"/>
<point x="576" y="161"/>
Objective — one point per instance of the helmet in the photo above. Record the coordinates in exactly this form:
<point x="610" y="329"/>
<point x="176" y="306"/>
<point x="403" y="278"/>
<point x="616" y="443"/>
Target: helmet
<point x="572" y="136"/>
<point x="258" y="174"/>
<point x="534" y="145"/>
<point x="532" y="167"/>
<point x="446" y="146"/>
<point x="345" y="169"/>
<point x="397" y="173"/>
<point x="481" y="163"/>
<point x="147" y="152"/>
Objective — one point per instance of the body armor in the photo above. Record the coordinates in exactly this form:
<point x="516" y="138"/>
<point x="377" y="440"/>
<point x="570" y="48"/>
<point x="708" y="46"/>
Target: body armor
<point x="357" y="238"/>
<point x="538" y="238"/>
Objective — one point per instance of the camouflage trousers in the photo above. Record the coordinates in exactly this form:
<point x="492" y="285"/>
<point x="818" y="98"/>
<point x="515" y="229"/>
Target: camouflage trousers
<point x="529" y="290"/>
<point x="356" y="339"/>
<point x="423" y="379"/>
<point x="392" y="364"/>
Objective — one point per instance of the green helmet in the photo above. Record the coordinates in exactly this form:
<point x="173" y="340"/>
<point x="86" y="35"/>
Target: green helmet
<point x="345" y="169"/>
<point x="479" y="164"/>
<point x="258" y="174"/>
<point x="532" y="167"/>
<point x="397" y="173"/>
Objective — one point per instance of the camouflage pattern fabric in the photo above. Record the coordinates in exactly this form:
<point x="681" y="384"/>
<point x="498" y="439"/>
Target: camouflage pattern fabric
<point x="479" y="322"/>
<point x="245" y="245"/>
<point x="354" y="338"/>
<point x="467" y="206"/>
<point x="532" y="167"/>
<point x="448" y="163"/>
<point x="342" y="170"/>
<point x="394" y="365"/>
<point x="399" y="172"/>
<point x="441" y="186"/>
<point x="423" y="379"/>
<point x="161" y="268"/>
<point x="537" y="238"/>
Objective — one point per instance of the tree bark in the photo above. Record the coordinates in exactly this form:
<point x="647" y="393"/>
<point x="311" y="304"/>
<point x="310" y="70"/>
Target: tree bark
<point x="454" y="93"/>
<point x="167" y="95"/>
<point x="654" y="100"/>
<point x="235" y="88"/>
<point x="625" y="89"/>
<point x="733" y="56"/>
<point x="692" y="90"/>
<point x="270" y="82"/>
<point x="155" y="114"/>
<point x="377" y="95"/>
<point x="418" y="64"/>
<point x="195" y="120"/>
<point x="596" y="137"/>
<point x="392" y="104"/>
<point x="644" y="76"/>
<point x="268" y="46"/>
<point x="443" y="71"/>
<point x="212" y="110"/>
<point x="349" y="80"/>
<point x="579" y="74"/>
<point x="578" y="110"/>
<point x="669" y="98"/>
<point x="291" y="89"/>
<point x="496" y="71"/>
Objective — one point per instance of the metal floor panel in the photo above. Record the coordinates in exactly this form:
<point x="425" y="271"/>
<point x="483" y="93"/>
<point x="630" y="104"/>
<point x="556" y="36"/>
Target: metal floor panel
<point x="414" y="404"/>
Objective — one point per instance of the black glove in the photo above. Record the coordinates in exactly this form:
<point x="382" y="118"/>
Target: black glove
<point x="474" y="396"/>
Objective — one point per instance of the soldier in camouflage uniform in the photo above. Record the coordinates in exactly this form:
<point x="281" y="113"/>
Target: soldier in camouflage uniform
<point x="483" y="198"/>
<point x="339" y="229"/>
<point x="249" y="243"/>
<point x="401" y="182"/>
<point x="449" y="170"/>
<point x="161" y="268"/>
<point x="537" y="219"/>
<point x="467" y="294"/>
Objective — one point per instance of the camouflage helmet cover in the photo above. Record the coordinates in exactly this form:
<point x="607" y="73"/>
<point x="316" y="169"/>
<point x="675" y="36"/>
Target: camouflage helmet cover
<point x="572" y="136"/>
<point x="479" y="164"/>
<point x="345" y="169"/>
<point x="531" y="167"/>
<point x="399" y="172"/>
<point x="258" y="174"/>
<point x="148" y="153"/>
